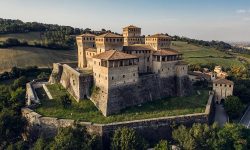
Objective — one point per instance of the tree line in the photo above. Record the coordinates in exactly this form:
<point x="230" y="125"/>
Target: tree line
<point x="52" y="36"/>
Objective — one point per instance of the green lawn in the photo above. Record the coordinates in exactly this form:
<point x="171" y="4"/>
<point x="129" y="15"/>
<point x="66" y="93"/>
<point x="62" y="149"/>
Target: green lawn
<point x="202" y="55"/>
<point x="86" y="111"/>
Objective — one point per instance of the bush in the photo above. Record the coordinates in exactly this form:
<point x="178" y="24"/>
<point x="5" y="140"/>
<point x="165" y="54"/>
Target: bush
<point x="162" y="145"/>
<point x="127" y="139"/>
<point x="66" y="101"/>
<point x="74" y="139"/>
<point x="233" y="106"/>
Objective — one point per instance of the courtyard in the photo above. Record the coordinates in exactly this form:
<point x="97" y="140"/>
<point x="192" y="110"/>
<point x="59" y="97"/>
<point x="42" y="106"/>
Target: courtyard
<point x="85" y="110"/>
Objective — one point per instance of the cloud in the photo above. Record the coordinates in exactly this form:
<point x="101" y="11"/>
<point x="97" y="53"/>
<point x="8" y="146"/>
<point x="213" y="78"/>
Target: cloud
<point x="243" y="11"/>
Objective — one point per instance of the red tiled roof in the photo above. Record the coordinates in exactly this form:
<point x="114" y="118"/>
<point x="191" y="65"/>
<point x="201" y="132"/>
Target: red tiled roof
<point x="114" y="55"/>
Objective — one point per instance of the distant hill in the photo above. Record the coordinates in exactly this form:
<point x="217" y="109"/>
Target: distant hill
<point x="194" y="54"/>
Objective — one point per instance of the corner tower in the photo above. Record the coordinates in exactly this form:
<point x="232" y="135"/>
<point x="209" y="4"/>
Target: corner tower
<point x="132" y="35"/>
<point x="84" y="42"/>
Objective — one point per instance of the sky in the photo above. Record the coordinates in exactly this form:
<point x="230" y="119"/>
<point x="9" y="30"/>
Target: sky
<point x="227" y="20"/>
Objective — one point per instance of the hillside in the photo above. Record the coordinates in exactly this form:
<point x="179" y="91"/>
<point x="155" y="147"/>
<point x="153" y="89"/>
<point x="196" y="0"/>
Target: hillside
<point x="30" y="37"/>
<point x="203" y="55"/>
<point x="29" y="56"/>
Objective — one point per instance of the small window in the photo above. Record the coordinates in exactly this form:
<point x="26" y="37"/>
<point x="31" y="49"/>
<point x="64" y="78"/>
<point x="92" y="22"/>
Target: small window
<point x="220" y="84"/>
<point x="225" y="85"/>
<point x="123" y="76"/>
<point x="215" y="84"/>
<point x="229" y="85"/>
<point x="112" y="78"/>
<point x="134" y="74"/>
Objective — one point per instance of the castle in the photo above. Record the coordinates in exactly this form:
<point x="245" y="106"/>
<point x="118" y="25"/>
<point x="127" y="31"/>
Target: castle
<point x="118" y="71"/>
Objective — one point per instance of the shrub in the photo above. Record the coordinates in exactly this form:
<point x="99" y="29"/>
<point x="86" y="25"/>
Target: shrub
<point x="127" y="139"/>
<point x="162" y="145"/>
<point x="66" y="101"/>
<point x="233" y="106"/>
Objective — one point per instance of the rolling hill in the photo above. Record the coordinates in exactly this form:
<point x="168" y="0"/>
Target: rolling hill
<point x="27" y="56"/>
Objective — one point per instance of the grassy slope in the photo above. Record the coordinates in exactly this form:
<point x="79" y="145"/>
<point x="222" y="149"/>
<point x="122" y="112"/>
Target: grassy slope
<point x="86" y="111"/>
<point x="197" y="54"/>
<point x="29" y="56"/>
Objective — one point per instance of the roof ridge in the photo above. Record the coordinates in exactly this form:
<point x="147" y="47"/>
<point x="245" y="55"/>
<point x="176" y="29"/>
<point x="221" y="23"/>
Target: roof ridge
<point x="112" y="53"/>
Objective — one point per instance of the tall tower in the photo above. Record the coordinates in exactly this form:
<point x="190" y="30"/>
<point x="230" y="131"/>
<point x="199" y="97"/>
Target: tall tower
<point x="108" y="41"/>
<point x="84" y="41"/>
<point x="132" y="35"/>
<point x="158" y="41"/>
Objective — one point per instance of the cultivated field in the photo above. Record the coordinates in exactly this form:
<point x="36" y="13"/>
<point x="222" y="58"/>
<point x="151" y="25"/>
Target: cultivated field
<point x="202" y="55"/>
<point x="30" y="37"/>
<point x="29" y="56"/>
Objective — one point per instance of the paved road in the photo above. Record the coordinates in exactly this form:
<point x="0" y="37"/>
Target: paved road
<point x="245" y="120"/>
<point x="220" y="115"/>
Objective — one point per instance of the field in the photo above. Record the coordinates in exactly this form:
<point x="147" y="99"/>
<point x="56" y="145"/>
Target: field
<point x="29" y="56"/>
<point x="202" y="55"/>
<point x="30" y="37"/>
<point x="86" y="111"/>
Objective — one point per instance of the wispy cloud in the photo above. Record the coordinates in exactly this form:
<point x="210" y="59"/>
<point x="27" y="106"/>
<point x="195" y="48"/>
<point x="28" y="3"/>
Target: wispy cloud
<point x="242" y="11"/>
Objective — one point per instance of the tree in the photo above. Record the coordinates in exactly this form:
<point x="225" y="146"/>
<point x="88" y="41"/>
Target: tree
<point x="162" y="145"/>
<point x="127" y="139"/>
<point x="11" y="126"/>
<point x="233" y="106"/>
<point x="232" y="136"/>
<point x="75" y="139"/>
<point x="66" y="101"/>
<point x="20" y="82"/>
<point x="184" y="138"/>
<point x="17" y="99"/>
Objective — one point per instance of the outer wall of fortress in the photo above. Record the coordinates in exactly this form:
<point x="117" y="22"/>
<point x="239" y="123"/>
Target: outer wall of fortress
<point x="153" y="129"/>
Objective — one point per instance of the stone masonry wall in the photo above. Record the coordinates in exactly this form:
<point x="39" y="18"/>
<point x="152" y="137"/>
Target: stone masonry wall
<point x="76" y="83"/>
<point x="153" y="129"/>
<point x="148" y="88"/>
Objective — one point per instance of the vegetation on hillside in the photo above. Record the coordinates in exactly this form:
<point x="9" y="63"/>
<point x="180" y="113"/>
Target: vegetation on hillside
<point x="51" y="36"/>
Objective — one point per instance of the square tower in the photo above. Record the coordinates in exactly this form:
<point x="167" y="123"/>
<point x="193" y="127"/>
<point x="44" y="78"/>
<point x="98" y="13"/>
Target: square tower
<point x="84" y="42"/>
<point x="158" y="41"/>
<point x="108" y="41"/>
<point x="132" y="35"/>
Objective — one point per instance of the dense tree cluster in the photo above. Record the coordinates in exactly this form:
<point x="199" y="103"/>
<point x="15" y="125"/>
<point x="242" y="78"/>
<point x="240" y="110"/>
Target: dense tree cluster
<point x="52" y="36"/>
<point x="202" y="136"/>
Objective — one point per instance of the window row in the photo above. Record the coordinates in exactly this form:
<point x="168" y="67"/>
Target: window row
<point x="224" y="85"/>
<point x="109" y="39"/>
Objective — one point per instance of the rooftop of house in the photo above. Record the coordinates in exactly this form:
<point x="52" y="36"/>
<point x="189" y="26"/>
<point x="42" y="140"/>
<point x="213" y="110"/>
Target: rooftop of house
<point x="86" y="35"/>
<point x="158" y="36"/>
<point x="166" y="52"/>
<point x="223" y="81"/>
<point x="109" y="35"/>
<point x="137" y="47"/>
<point x="114" y="55"/>
<point x="200" y="75"/>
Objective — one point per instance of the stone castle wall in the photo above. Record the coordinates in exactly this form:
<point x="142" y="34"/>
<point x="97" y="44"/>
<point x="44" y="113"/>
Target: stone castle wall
<point x="152" y="130"/>
<point x="148" y="88"/>
<point x="76" y="83"/>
